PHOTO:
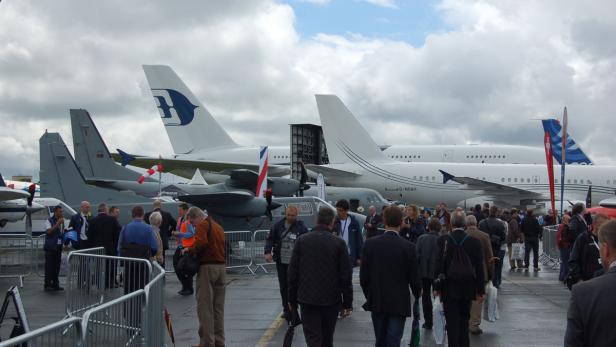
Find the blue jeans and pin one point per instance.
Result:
(564, 263)
(388, 329)
(498, 268)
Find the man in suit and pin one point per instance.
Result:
(372, 223)
(488, 270)
(348, 229)
(455, 286)
(319, 278)
(80, 222)
(104, 232)
(591, 315)
(388, 270)
(166, 227)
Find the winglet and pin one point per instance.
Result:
(126, 158)
(2, 183)
(446, 176)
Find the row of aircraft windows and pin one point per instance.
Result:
(405, 156)
(281, 157)
(426, 178)
(486, 156)
(536, 180)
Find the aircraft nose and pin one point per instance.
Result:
(35, 207)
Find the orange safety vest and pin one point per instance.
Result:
(186, 241)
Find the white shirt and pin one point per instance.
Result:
(344, 231)
(84, 225)
(613, 264)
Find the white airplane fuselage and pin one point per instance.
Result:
(422, 183)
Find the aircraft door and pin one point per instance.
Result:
(448, 155)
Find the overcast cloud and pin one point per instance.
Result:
(501, 65)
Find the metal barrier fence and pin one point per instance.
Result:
(239, 250)
(154, 317)
(94, 279)
(258, 258)
(16, 256)
(66, 332)
(550, 255)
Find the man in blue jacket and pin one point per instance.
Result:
(279, 247)
(80, 222)
(347, 228)
(54, 229)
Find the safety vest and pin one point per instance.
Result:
(187, 241)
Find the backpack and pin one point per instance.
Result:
(460, 267)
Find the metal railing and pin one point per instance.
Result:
(550, 255)
(239, 250)
(66, 332)
(258, 243)
(16, 256)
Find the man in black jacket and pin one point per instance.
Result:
(591, 315)
(348, 229)
(388, 270)
(319, 277)
(585, 260)
(279, 247)
(166, 227)
(373, 220)
(577, 223)
(457, 294)
(495, 228)
(104, 232)
(532, 234)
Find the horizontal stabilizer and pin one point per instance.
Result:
(331, 172)
(491, 188)
(125, 158)
(574, 154)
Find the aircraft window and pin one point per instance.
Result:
(405, 157)
(433, 178)
(575, 181)
(536, 180)
(515, 179)
(568, 180)
(427, 178)
(503, 157)
(502, 179)
(419, 156)
(305, 208)
(421, 178)
(490, 157)
(556, 180)
(414, 177)
(608, 182)
(484, 178)
(499, 157)
(509, 179)
(396, 157)
(588, 182)
(528, 180)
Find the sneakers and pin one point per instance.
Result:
(476, 331)
(537, 269)
(185, 292)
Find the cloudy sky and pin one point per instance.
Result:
(413, 72)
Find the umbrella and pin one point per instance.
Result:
(415, 332)
(169, 326)
(295, 321)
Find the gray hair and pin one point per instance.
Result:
(458, 219)
(155, 219)
(471, 220)
(325, 216)
(195, 212)
(156, 203)
(102, 207)
(607, 234)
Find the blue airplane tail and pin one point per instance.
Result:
(575, 155)
(2, 183)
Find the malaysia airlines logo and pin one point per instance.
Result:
(175, 108)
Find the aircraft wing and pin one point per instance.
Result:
(490, 188)
(330, 172)
(12, 194)
(181, 167)
(218, 198)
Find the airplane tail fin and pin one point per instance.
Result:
(575, 155)
(2, 183)
(189, 124)
(346, 139)
(60, 177)
(91, 154)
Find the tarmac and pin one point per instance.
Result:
(532, 307)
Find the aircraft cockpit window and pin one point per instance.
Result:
(41, 215)
(305, 208)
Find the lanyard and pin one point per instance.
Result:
(343, 227)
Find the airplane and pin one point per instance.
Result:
(193, 130)
(14, 204)
(60, 178)
(356, 161)
(198, 141)
(39, 218)
(97, 166)
(20, 185)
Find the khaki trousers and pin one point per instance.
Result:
(475, 321)
(211, 281)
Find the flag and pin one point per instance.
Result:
(262, 180)
(549, 159)
(564, 163)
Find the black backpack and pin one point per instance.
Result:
(460, 267)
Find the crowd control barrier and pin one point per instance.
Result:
(63, 333)
(16, 256)
(239, 250)
(550, 255)
(258, 243)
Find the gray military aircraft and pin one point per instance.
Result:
(97, 166)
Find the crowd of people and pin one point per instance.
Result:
(402, 253)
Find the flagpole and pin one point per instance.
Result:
(564, 162)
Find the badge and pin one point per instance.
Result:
(293, 236)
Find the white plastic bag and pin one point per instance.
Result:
(517, 251)
(491, 303)
(438, 321)
(63, 264)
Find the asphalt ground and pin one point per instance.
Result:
(532, 307)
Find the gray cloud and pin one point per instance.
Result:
(501, 65)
